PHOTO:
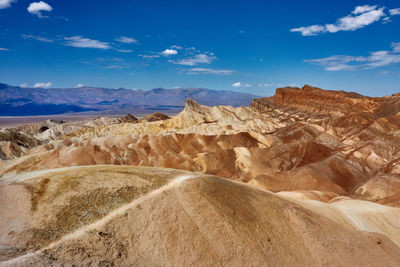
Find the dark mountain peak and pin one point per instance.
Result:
(129, 118)
(156, 116)
(112, 101)
(159, 90)
(4, 86)
(191, 104)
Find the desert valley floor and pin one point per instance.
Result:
(307, 177)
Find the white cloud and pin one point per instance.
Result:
(381, 58)
(124, 50)
(36, 8)
(363, 9)
(309, 30)
(337, 62)
(239, 84)
(111, 59)
(265, 84)
(42, 85)
(6, 3)
(126, 40)
(293, 85)
(396, 47)
(197, 59)
(79, 41)
(394, 11)
(3, 49)
(79, 85)
(350, 23)
(23, 85)
(351, 63)
(192, 49)
(208, 71)
(37, 38)
(176, 47)
(361, 17)
(169, 52)
(149, 56)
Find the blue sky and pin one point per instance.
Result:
(249, 46)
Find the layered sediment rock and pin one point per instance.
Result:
(313, 179)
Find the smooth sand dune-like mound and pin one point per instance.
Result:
(178, 218)
(40, 207)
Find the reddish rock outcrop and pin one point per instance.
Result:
(317, 100)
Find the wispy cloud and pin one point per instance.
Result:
(6, 3)
(37, 38)
(127, 40)
(360, 17)
(396, 47)
(42, 85)
(384, 72)
(178, 47)
(239, 84)
(4, 49)
(36, 8)
(117, 67)
(149, 56)
(197, 59)
(124, 50)
(194, 71)
(110, 59)
(192, 49)
(338, 62)
(265, 85)
(350, 63)
(79, 41)
(394, 11)
(363, 9)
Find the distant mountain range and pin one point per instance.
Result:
(18, 101)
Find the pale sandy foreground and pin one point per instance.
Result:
(143, 216)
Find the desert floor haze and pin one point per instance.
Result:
(86, 101)
(307, 177)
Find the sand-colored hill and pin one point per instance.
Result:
(313, 178)
(274, 146)
(14, 143)
(116, 215)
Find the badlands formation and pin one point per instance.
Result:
(307, 177)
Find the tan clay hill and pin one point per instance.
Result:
(120, 215)
(313, 179)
